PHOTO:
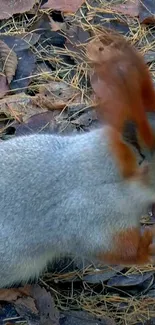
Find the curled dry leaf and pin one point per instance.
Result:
(13, 294)
(9, 60)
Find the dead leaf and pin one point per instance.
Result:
(26, 308)
(147, 12)
(131, 8)
(20, 107)
(110, 20)
(84, 318)
(24, 72)
(20, 42)
(63, 5)
(3, 85)
(12, 294)
(47, 35)
(58, 94)
(9, 60)
(46, 306)
(9, 8)
(76, 34)
(103, 274)
(26, 58)
(52, 96)
(43, 101)
(27, 302)
(50, 121)
(42, 122)
(122, 280)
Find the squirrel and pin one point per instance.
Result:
(64, 195)
(123, 86)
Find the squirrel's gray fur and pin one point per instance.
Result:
(61, 195)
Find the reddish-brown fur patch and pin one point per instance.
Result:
(130, 247)
(125, 91)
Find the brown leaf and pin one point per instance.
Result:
(9, 60)
(20, 107)
(3, 85)
(131, 8)
(43, 101)
(9, 8)
(58, 94)
(63, 5)
(13, 293)
(52, 96)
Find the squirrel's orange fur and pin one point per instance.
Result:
(124, 88)
(131, 247)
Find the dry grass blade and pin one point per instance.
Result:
(9, 60)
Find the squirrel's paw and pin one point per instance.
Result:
(130, 247)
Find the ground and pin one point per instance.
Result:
(45, 87)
